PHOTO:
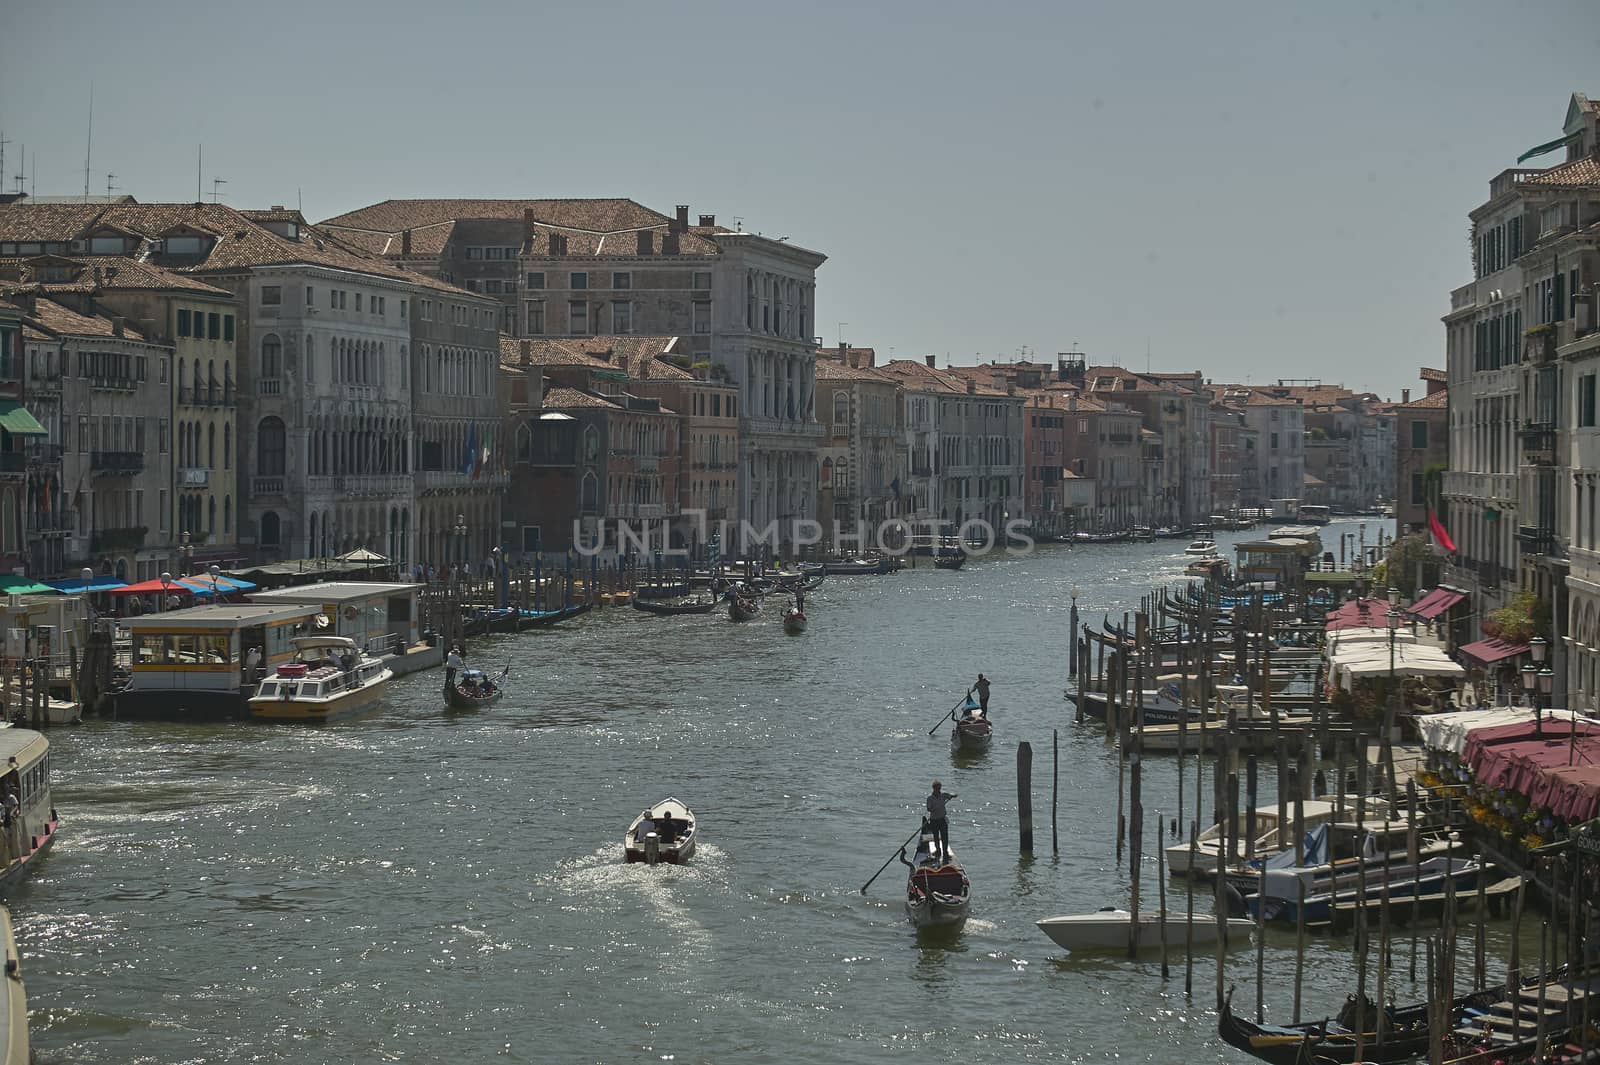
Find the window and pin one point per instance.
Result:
(1417, 493)
(402, 308)
(702, 279)
(270, 441)
(271, 295)
(1586, 401)
(1419, 435)
(535, 280)
(474, 253)
(163, 434)
(494, 253)
(535, 318)
(213, 327)
(622, 279)
(622, 317)
(702, 316)
(227, 328)
(1274, 441)
(492, 285)
(577, 317)
(578, 280)
(183, 323)
(271, 356)
(358, 301)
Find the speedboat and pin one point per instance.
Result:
(1110, 928)
(938, 893)
(1203, 548)
(328, 678)
(674, 846)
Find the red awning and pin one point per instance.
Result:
(1359, 614)
(1570, 792)
(154, 588)
(1434, 603)
(1488, 652)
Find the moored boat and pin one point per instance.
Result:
(474, 689)
(1110, 929)
(1203, 548)
(14, 1012)
(938, 893)
(794, 621)
(856, 567)
(328, 678)
(669, 838)
(665, 609)
(950, 561)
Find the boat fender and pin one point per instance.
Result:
(1233, 900)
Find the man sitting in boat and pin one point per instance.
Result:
(647, 826)
(666, 828)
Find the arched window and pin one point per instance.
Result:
(211, 515)
(827, 472)
(183, 378)
(271, 357)
(227, 447)
(591, 443)
(227, 514)
(524, 442)
(591, 493)
(841, 410)
(211, 446)
(269, 529)
(211, 381)
(270, 448)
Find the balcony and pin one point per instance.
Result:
(193, 477)
(1537, 540)
(114, 384)
(1488, 574)
(364, 486)
(1538, 439)
(271, 386)
(266, 486)
(128, 537)
(117, 463)
(44, 454)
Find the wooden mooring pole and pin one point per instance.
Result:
(1025, 796)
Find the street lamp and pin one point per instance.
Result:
(461, 538)
(166, 583)
(1530, 688)
(185, 552)
(1533, 679)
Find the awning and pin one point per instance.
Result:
(1488, 652)
(15, 419)
(155, 587)
(204, 584)
(75, 585)
(23, 586)
(1434, 603)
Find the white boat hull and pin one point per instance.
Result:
(1110, 929)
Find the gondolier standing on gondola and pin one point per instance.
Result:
(982, 688)
(452, 663)
(937, 822)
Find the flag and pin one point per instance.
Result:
(1440, 537)
(483, 460)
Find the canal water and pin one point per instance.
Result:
(416, 886)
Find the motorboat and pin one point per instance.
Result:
(327, 678)
(856, 567)
(1203, 548)
(950, 561)
(14, 1011)
(1110, 929)
(651, 845)
(1210, 567)
(794, 621)
(473, 689)
(25, 771)
(1271, 838)
(938, 893)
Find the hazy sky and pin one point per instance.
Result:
(1254, 190)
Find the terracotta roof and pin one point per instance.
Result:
(637, 356)
(561, 397)
(53, 318)
(276, 214)
(1440, 400)
(925, 378)
(549, 352)
(831, 369)
(1585, 171)
(116, 273)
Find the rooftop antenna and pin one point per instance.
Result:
(199, 162)
(299, 201)
(88, 147)
(109, 185)
(3, 143)
(841, 331)
(1147, 355)
(216, 182)
(22, 168)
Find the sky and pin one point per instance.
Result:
(1254, 190)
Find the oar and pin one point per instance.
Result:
(891, 858)
(950, 713)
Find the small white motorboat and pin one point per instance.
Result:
(1109, 930)
(938, 892)
(1203, 548)
(671, 840)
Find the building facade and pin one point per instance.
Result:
(862, 465)
(1422, 453)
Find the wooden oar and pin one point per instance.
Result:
(891, 858)
(950, 713)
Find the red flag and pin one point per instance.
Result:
(1440, 537)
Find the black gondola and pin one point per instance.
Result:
(538, 619)
(950, 561)
(651, 606)
(1405, 1036)
(741, 609)
(474, 690)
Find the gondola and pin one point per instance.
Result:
(794, 621)
(1405, 1036)
(651, 606)
(482, 621)
(673, 847)
(661, 590)
(742, 609)
(938, 893)
(950, 561)
(857, 567)
(972, 732)
(474, 690)
(538, 619)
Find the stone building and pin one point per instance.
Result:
(864, 448)
(1422, 453)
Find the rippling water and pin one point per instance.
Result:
(423, 887)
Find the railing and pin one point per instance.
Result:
(44, 453)
(389, 643)
(266, 486)
(1507, 180)
(1538, 436)
(113, 539)
(271, 386)
(1463, 297)
(1536, 539)
(116, 461)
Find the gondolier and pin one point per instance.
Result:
(452, 663)
(982, 688)
(937, 822)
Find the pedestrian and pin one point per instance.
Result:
(252, 664)
(982, 687)
(937, 823)
(452, 662)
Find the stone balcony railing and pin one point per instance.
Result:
(362, 486)
(447, 480)
(266, 486)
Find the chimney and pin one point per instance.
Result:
(524, 352)
(117, 328)
(405, 242)
(1072, 401)
(929, 360)
(708, 220)
(527, 227)
(669, 242)
(1405, 395)
(277, 207)
(683, 217)
(647, 242)
(972, 387)
(1011, 388)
